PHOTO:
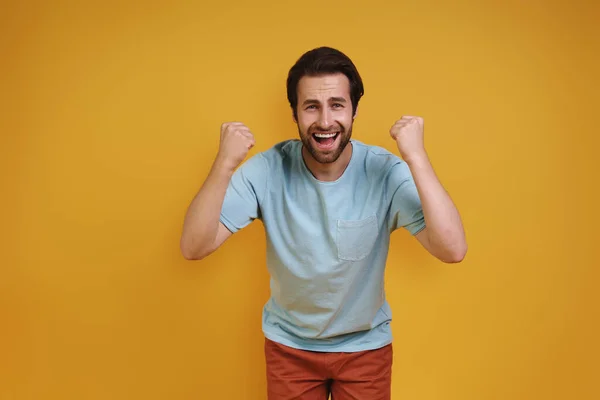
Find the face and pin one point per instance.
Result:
(324, 115)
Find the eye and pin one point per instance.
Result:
(337, 105)
(312, 106)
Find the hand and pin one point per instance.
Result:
(408, 134)
(236, 141)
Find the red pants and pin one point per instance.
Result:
(308, 375)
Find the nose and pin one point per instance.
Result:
(325, 119)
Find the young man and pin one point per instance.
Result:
(328, 205)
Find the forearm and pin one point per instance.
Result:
(201, 221)
(445, 232)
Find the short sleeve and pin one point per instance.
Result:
(244, 194)
(405, 209)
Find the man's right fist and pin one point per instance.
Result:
(236, 140)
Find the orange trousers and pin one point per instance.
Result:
(310, 375)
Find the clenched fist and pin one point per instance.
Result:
(236, 141)
(408, 134)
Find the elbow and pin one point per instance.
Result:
(190, 256)
(453, 259)
(454, 255)
(190, 253)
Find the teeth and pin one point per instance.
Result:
(325, 135)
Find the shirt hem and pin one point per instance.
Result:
(327, 348)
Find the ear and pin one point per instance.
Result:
(355, 113)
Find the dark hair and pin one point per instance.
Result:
(323, 61)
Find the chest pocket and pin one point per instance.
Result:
(355, 238)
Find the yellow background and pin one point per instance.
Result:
(110, 115)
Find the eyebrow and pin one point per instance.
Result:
(331, 99)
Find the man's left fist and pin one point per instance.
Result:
(408, 134)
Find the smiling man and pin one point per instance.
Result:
(329, 204)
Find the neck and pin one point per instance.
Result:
(330, 171)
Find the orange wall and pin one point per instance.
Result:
(110, 118)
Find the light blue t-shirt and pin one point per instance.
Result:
(327, 242)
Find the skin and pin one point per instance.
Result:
(324, 105)
(444, 235)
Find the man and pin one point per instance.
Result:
(328, 204)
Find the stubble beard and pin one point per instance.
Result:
(330, 156)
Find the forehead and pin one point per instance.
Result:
(323, 87)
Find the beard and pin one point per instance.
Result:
(326, 156)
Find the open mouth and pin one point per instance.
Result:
(325, 140)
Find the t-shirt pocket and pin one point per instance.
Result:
(355, 238)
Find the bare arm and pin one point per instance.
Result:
(444, 235)
(203, 232)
